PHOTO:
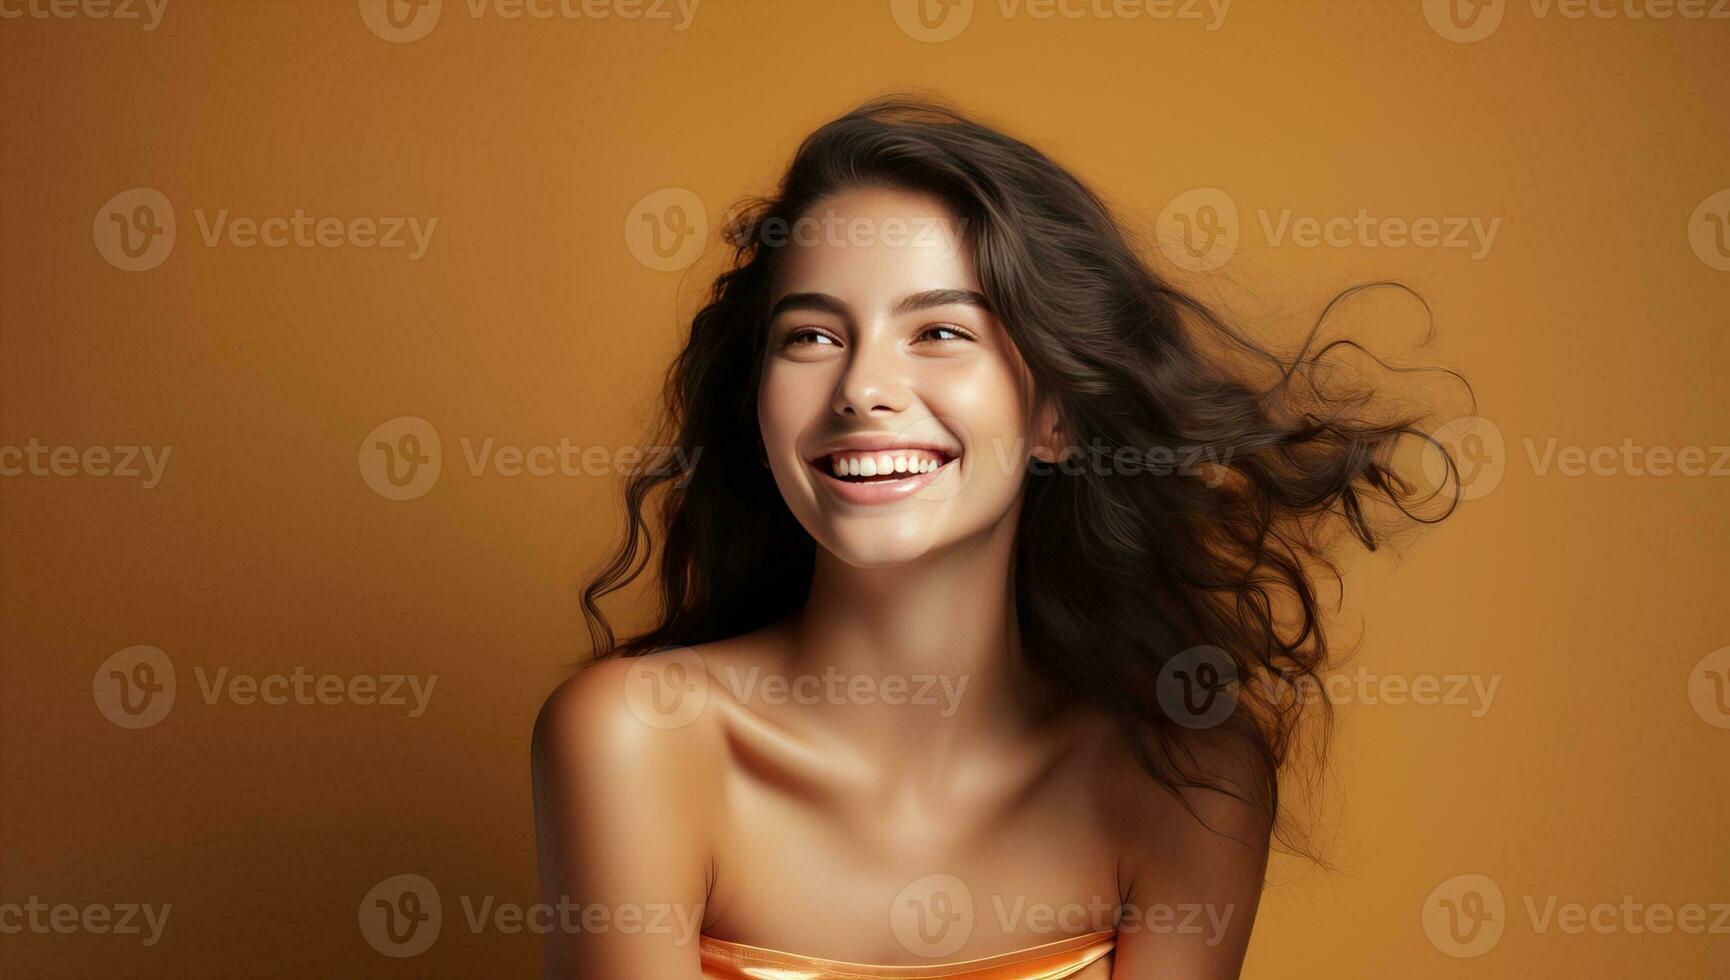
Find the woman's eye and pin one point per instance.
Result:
(937, 331)
(808, 337)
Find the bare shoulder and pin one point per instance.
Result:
(1191, 859)
(1225, 817)
(654, 713)
(629, 765)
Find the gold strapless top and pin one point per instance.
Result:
(723, 960)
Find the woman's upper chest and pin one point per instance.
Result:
(949, 857)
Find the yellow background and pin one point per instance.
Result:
(529, 320)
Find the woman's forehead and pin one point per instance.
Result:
(871, 247)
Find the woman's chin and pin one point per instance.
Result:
(873, 548)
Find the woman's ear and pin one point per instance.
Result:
(1049, 441)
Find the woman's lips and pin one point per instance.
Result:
(876, 491)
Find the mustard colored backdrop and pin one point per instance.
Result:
(297, 298)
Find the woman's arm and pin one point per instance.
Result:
(1194, 882)
(623, 856)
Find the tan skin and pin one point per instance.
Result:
(799, 824)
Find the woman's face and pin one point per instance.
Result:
(895, 411)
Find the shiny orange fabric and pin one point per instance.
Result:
(724, 960)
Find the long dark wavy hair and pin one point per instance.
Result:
(1114, 575)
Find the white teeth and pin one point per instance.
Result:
(853, 464)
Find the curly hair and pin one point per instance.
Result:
(1118, 579)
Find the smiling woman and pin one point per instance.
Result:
(877, 415)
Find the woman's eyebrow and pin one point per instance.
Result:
(940, 297)
(825, 303)
(811, 302)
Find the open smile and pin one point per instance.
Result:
(870, 476)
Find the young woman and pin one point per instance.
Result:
(976, 606)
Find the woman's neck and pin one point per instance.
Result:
(940, 633)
